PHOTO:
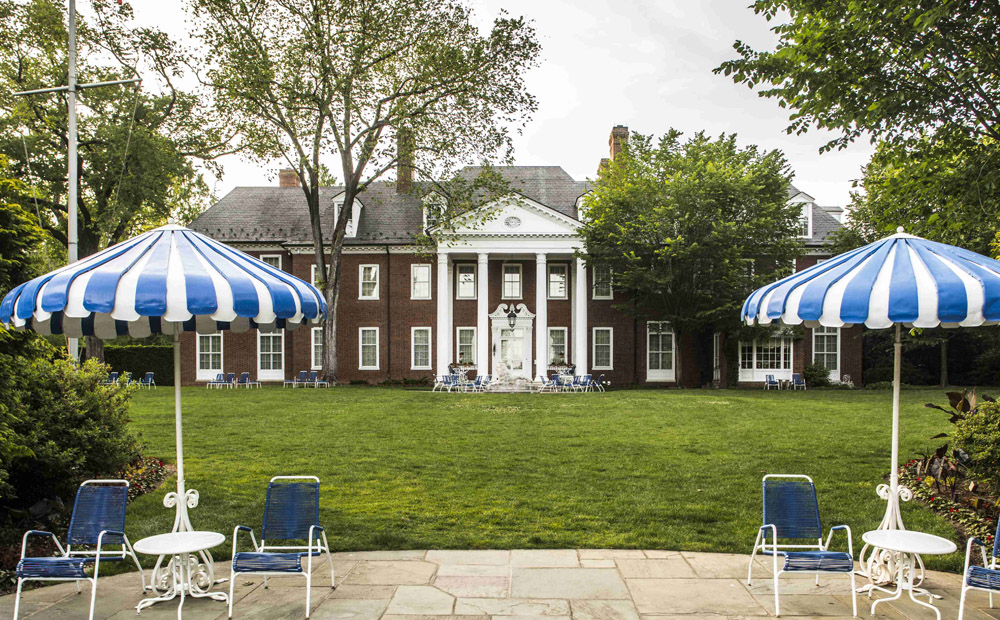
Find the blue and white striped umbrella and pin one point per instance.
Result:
(901, 279)
(166, 280)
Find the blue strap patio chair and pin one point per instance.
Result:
(230, 380)
(599, 384)
(291, 513)
(791, 511)
(112, 379)
(798, 383)
(315, 381)
(244, 381)
(301, 379)
(770, 382)
(985, 577)
(559, 383)
(218, 381)
(147, 381)
(98, 519)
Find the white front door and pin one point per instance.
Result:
(511, 351)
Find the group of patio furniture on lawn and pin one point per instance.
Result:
(486, 383)
(797, 382)
(306, 378)
(230, 380)
(291, 515)
(125, 378)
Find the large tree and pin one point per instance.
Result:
(378, 85)
(691, 227)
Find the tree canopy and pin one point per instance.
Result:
(691, 227)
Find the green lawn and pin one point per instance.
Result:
(642, 469)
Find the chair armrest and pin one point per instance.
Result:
(253, 539)
(968, 553)
(24, 540)
(100, 541)
(850, 538)
(774, 533)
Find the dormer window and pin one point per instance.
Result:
(805, 221)
(434, 208)
(353, 218)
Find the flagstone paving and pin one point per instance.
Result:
(529, 584)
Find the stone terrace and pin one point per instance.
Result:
(512, 585)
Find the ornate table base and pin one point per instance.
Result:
(185, 576)
(880, 566)
(904, 581)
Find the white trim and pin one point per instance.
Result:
(361, 281)
(565, 345)
(503, 281)
(278, 256)
(413, 348)
(593, 286)
(516, 200)
(820, 331)
(661, 375)
(209, 374)
(413, 279)
(361, 350)
(312, 348)
(312, 275)
(475, 280)
(758, 375)
(272, 374)
(610, 345)
(548, 280)
(475, 345)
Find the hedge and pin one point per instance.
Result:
(139, 360)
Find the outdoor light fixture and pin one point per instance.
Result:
(512, 319)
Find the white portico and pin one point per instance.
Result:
(511, 323)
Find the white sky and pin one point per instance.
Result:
(642, 63)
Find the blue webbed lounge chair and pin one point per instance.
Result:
(315, 381)
(771, 382)
(301, 379)
(230, 379)
(244, 381)
(291, 513)
(598, 385)
(798, 383)
(98, 519)
(147, 381)
(985, 577)
(112, 379)
(218, 381)
(791, 511)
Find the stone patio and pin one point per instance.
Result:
(584, 584)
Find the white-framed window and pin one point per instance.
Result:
(368, 281)
(465, 281)
(768, 356)
(271, 356)
(368, 351)
(316, 352)
(717, 356)
(659, 351)
(511, 281)
(420, 281)
(420, 348)
(806, 221)
(209, 356)
(826, 349)
(273, 260)
(557, 345)
(603, 348)
(558, 281)
(602, 282)
(465, 345)
(313, 270)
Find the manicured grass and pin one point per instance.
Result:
(643, 469)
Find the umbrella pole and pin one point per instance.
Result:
(182, 523)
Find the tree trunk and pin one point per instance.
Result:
(331, 293)
(94, 349)
(944, 362)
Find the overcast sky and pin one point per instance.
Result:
(642, 63)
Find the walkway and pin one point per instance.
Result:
(512, 585)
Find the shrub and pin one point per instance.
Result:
(816, 375)
(978, 434)
(140, 359)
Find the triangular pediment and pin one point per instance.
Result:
(514, 216)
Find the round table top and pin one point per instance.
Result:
(178, 542)
(908, 541)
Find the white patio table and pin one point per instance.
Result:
(179, 546)
(908, 544)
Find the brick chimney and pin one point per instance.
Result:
(618, 140)
(404, 161)
(288, 178)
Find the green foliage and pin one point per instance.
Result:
(978, 433)
(816, 375)
(139, 359)
(691, 227)
(61, 425)
(890, 69)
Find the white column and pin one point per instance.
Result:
(541, 316)
(483, 314)
(580, 326)
(443, 316)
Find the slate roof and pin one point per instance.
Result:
(823, 223)
(280, 215)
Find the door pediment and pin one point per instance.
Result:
(514, 216)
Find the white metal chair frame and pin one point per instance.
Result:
(965, 574)
(264, 548)
(776, 549)
(68, 552)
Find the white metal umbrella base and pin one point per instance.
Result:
(180, 570)
(881, 566)
(907, 565)
(202, 564)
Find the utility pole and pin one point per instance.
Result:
(72, 237)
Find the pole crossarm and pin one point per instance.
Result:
(60, 89)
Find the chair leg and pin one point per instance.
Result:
(777, 611)
(854, 596)
(93, 593)
(308, 589)
(753, 554)
(232, 585)
(17, 597)
(961, 603)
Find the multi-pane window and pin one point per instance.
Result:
(603, 344)
(805, 221)
(271, 352)
(420, 282)
(210, 353)
(826, 348)
(465, 284)
(512, 281)
(771, 354)
(317, 348)
(746, 355)
(466, 340)
(369, 282)
(368, 348)
(273, 260)
(602, 282)
(557, 281)
(557, 345)
(661, 346)
(420, 347)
